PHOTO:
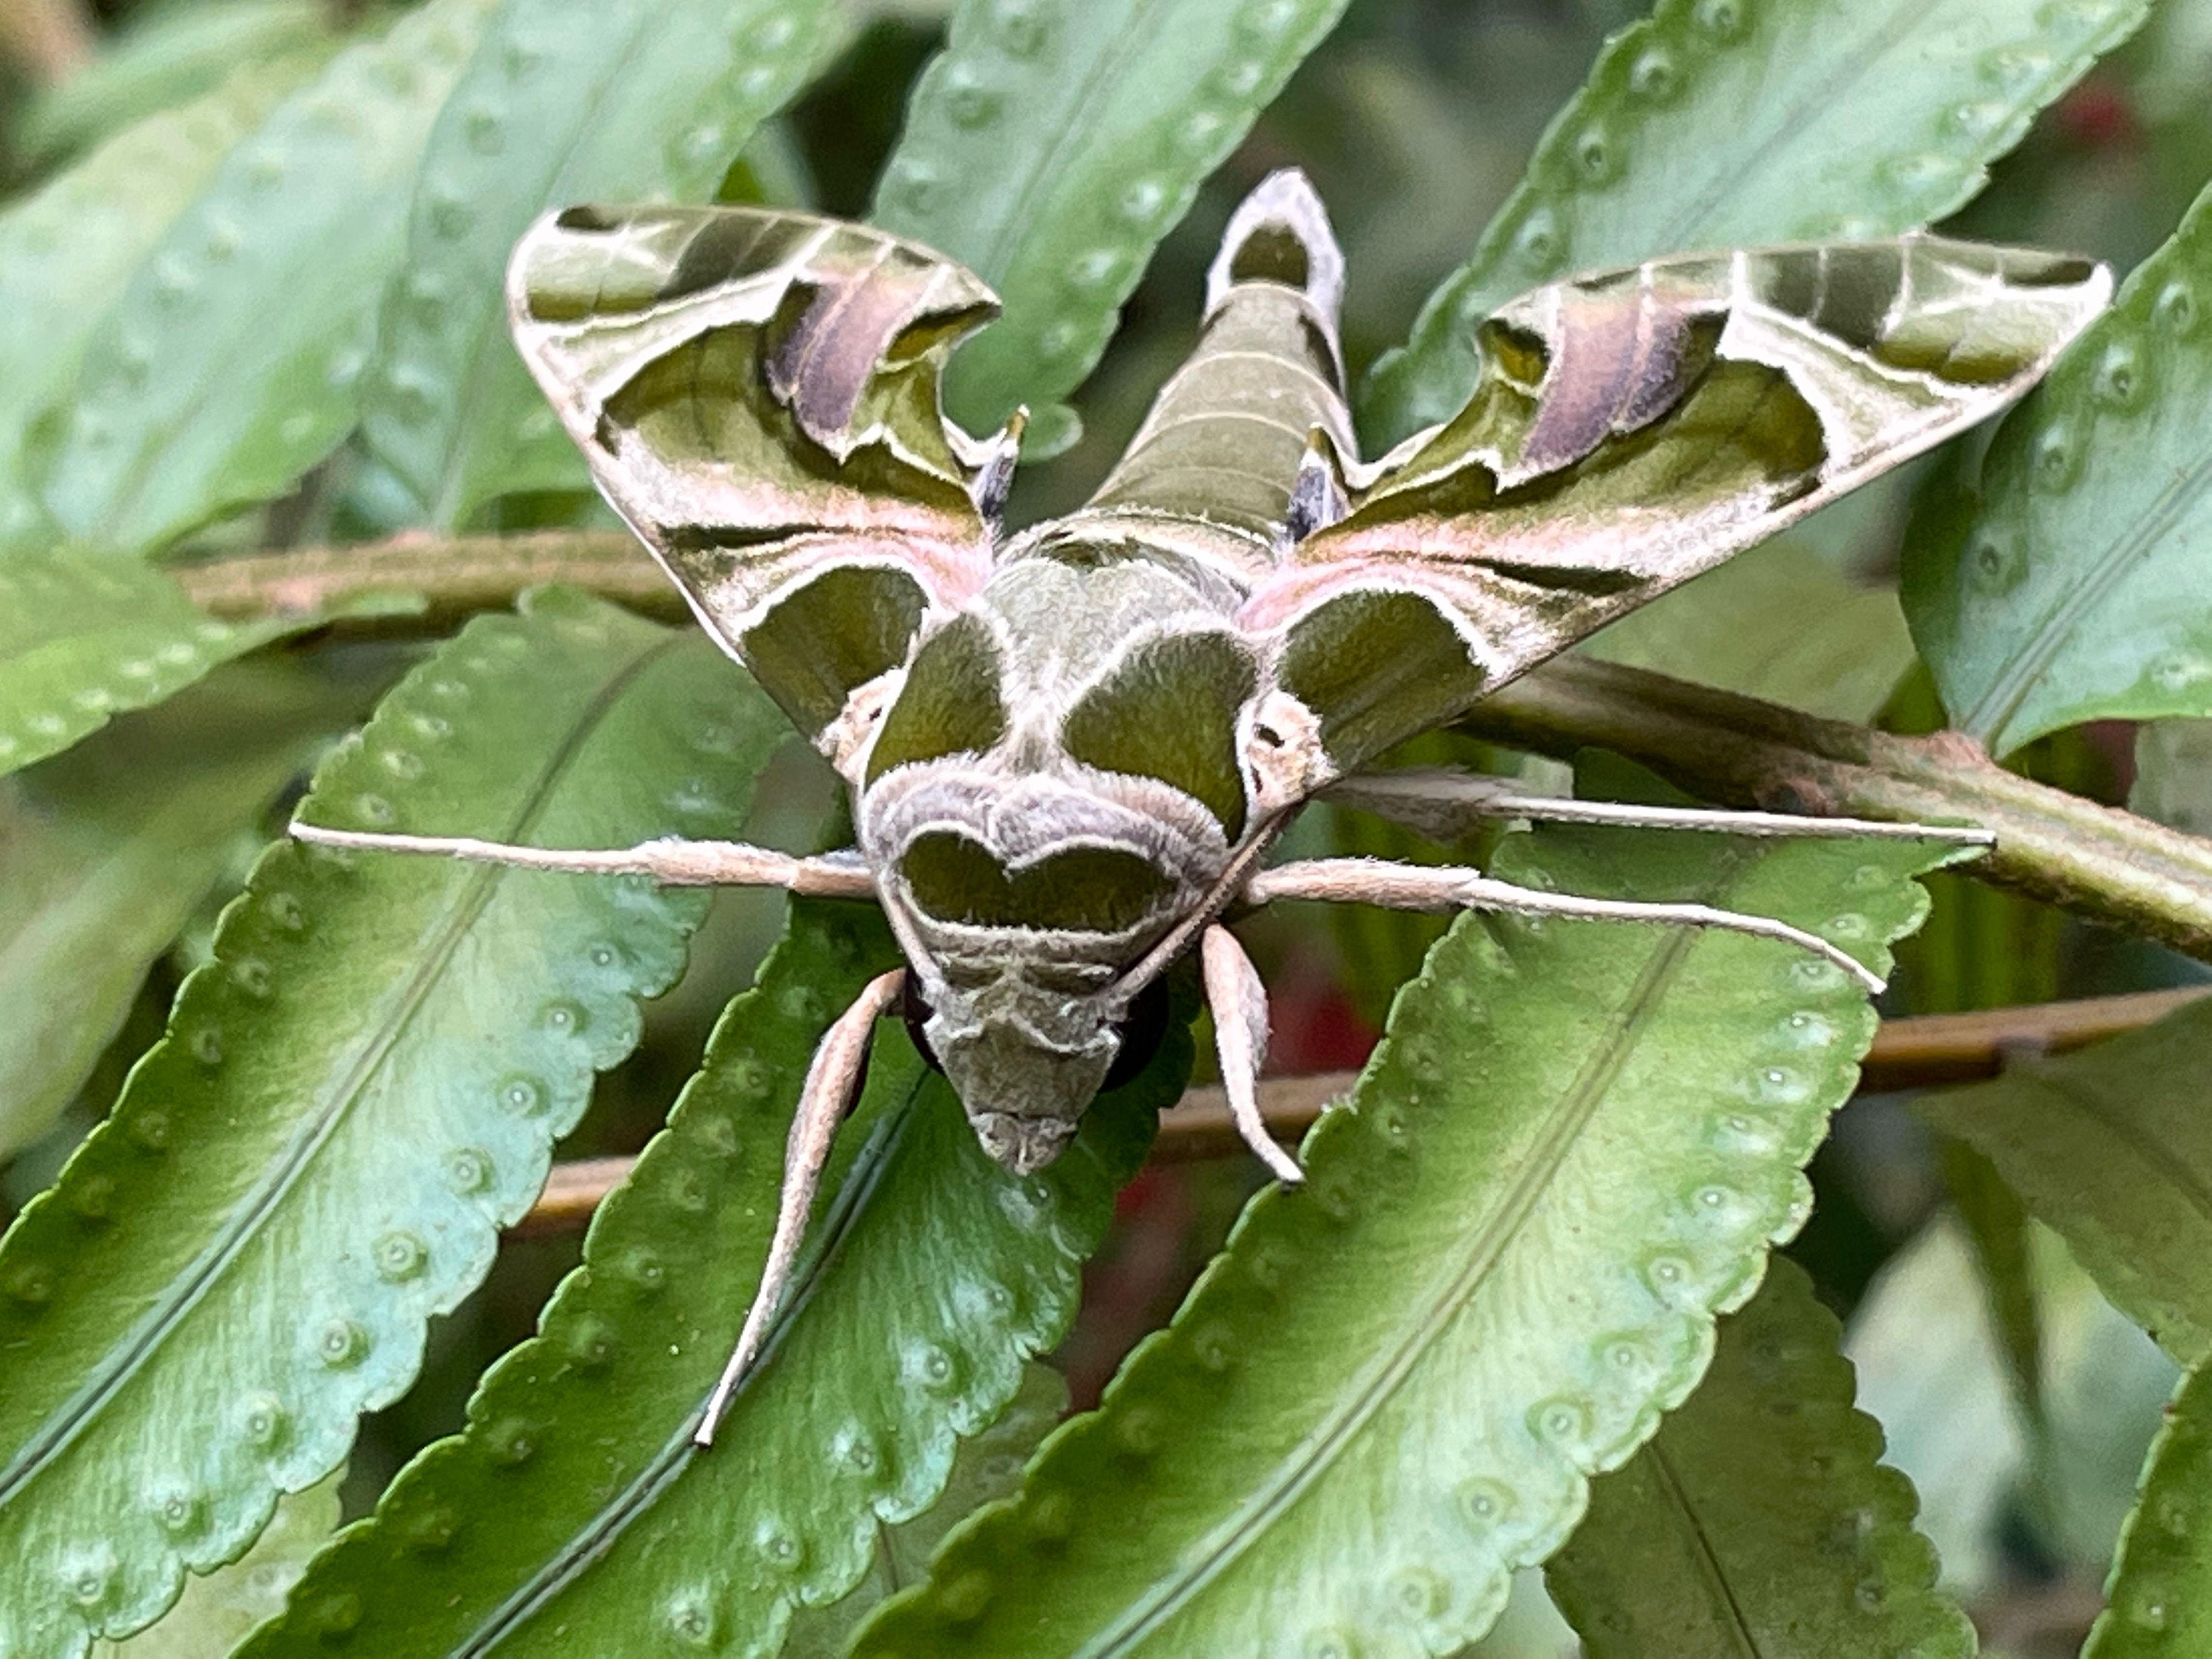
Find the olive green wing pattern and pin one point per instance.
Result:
(757, 394)
(1629, 430)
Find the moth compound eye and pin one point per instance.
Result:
(914, 1009)
(1142, 1030)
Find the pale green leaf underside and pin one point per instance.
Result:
(561, 104)
(232, 362)
(1777, 624)
(1724, 122)
(2112, 1147)
(165, 59)
(1758, 1520)
(352, 1098)
(1932, 1372)
(2159, 1594)
(1053, 144)
(2174, 774)
(216, 1612)
(83, 639)
(109, 849)
(2069, 588)
(1571, 1150)
(67, 254)
(574, 1515)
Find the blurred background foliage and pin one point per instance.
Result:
(2024, 1433)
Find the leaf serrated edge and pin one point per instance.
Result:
(144, 1128)
(1781, 1352)
(2097, 385)
(1636, 75)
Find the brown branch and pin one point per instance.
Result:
(1906, 1054)
(51, 39)
(2109, 866)
(456, 575)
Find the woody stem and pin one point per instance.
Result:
(2110, 866)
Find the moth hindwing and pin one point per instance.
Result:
(1070, 748)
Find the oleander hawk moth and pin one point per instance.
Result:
(1070, 747)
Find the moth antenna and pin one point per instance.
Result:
(833, 1078)
(1281, 233)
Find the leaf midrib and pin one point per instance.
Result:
(456, 464)
(1710, 1570)
(593, 1542)
(2050, 635)
(1319, 1451)
(128, 1359)
(1076, 128)
(1902, 23)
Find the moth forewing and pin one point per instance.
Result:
(756, 392)
(1070, 751)
(1632, 429)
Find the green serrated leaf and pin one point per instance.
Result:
(83, 639)
(108, 850)
(2062, 590)
(176, 55)
(1931, 1372)
(1051, 146)
(216, 1612)
(232, 362)
(612, 102)
(574, 1515)
(1572, 1149)
(1758, 1520)
(353, 1097)
(1742, 628)
(2112, 1147)
(1721, 122)
(984, 1470)
(67, 254)
(2159, 1599)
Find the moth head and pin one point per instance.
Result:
(1047, 827)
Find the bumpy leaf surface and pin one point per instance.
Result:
(1728, 122)
(216, 1612)
(561, 104)
(1758, 1520)
(232, 362)
(2159, 1595)
(84, 638)
(353, 1097)
(1572, 1150)
(164, 58)
(984, 1470)
(67, 254)
(109, 849)
(2112, 1147)
(1050, 149)
(574, 1514)
(2069, 586)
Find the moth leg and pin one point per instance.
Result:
(1416, 887)
(832, 1078)
(672, 861)
(1239, 1002)
(1445, 803)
